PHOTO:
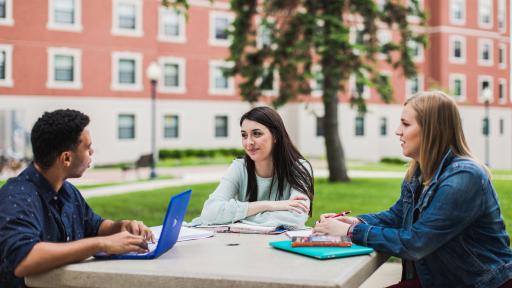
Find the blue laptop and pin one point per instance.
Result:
(170, 231)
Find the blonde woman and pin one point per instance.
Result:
(447, 225)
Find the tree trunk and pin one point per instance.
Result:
(333, 146)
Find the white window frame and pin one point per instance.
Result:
(173, 139)
(408, 85)
(213, 65)
(456, 21)
(75, 27)
(421, 51)
(181, 38)
(502, 81)
(116, 30)
(415, 18)
(7, 82)
(77, 68)
(115, 85)
(479, 9)
(211, 38)
(312, 82)
(481, 43)
(482, 78)
(366, 91)
(383, 37)
(451, 46)
(135, 133)
(8, 20)
(456, 76)
(503, 47)
(502, 16)
(275, 85)
(259, 31)
(181, 88)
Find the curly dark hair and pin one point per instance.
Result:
(56, 132)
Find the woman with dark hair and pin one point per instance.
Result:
(271, 186)
(447, 225)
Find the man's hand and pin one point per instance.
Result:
(331, 226)
(123, 242)
(138, 228)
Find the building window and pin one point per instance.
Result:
(416, 50)
(264, 33)
(173, 73)
(502, 91)
(171, 126)
(502, 56)
(485, 47)
(221, 126)
(458, 86)
(221, 83)
(6, 65)
(220, 24)
(485, 13)
(127, 18)
(269, 82)
(64, 68)
(383, 126)
(172, 25)
(6, 13)
(484, 82)
(320, 126)
(126, 126)
(457, 46)
(485, 126)
(358, 88)
(65, 15)
(126, 71)
(458, 12)
(414, 85)
(359, 126)
(502, 15)
(317, 81)
(502, 126)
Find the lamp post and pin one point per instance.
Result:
(487, 97)
(153, 73)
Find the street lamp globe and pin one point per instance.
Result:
(487, 94)
(153, 71)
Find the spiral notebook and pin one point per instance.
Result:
(322, 253)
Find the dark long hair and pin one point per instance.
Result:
(286, 159)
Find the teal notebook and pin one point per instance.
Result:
(322, 252)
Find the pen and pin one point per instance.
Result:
(341, 214)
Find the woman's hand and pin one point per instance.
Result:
(298, 203)
(332, 226)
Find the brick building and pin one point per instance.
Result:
(92, 56)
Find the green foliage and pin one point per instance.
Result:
(300, 31)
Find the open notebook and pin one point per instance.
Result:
(186, 233)
(242, 228)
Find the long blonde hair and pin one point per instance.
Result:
(441, 128)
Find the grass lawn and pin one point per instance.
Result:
(360, 196)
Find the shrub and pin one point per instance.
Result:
(393, 160)
(200, 153)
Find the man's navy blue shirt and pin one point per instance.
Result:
(31, 212)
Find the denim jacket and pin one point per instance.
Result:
(459, 238)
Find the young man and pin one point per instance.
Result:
(44, 221)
